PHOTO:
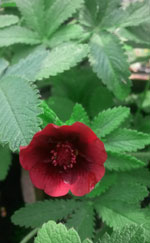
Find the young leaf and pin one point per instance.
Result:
(128, 234)
(58, 12)
(49, 115)
(29, 216)
(122, 162)
(33, 12)
(3, 65)
(56, 233)
(6, 20)
(126, 140)
(62, 58)
(16, 35)
(19, 110)
(109, 120)
(78, 114)
(109, 62)
(83, 221)
(5, 161)
(107, 181)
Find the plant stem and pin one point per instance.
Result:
(29, 236)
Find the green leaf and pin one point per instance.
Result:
(5, 161)
(128, 234)
(118, 215)
(29, 67)
(126, 190)
(33, 12)
(62, 106)
(56, 233)
(126, 140)
(17, 35)
(109, 120)
(133, 15)
(58, 12)
(29, 216)
(122, 162)
(3, 65)
(65, 33)
(107, 181)
(78, 114)
(62, 58)
(6, 20)
(83, 221)
(49, 115)
(19, 110)
(138, 34)
(109, 62)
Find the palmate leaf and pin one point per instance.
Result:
(109, 120)
(58, 12)
(126, 140)
(122, 162)
(19, 110)
(6, 20)
(34, 215)
(109, 62)
(5, 161)
(17, 34)
(118, 214)
(33, 12)
(56, 233)
(83, 221)
(128, 234)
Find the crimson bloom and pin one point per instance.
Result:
(63, 158)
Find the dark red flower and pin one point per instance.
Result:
(63, 158)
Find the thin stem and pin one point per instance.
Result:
(29, 236)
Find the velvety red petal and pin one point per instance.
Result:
(56, 187)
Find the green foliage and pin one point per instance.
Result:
(109, 120)
(5, 161)
(58, 12)
(34, 215)
(3, 65)
(122, 162)
(57, 233)
(109, 62)
(78, 114)
(62, 106)
(129, 234)
(126, 140)
(83, 221)
(6, 20)
(48, 116)
(107, 181)
(18, 115)
(17, 34)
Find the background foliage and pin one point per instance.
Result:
(67, 61)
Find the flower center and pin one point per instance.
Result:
(64, 154)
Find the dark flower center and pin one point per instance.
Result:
(64, 155)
